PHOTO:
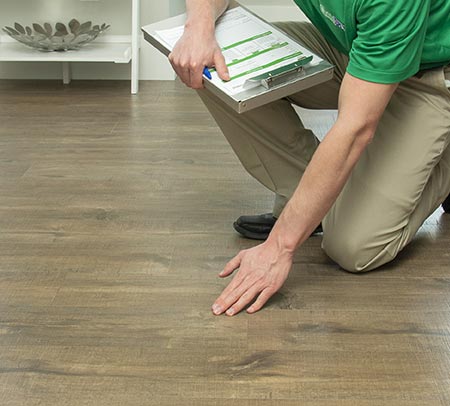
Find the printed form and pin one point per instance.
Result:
(250, 46)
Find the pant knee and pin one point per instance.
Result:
(355, 253)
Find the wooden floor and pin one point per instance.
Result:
(115, 218)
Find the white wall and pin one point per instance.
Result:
(118, 14)
(275, 10)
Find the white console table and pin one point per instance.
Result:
(117, 49)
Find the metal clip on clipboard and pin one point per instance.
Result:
(281, 75)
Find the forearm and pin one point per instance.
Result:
(320, 185)
(202, 14)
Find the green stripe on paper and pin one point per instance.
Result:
(236, 44)
(258, 53)
(268, 65)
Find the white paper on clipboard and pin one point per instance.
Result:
(251, 47)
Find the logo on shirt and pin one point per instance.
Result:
(332, 18)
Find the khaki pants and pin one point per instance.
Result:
(401, 178)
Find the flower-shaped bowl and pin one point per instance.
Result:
(58, 38)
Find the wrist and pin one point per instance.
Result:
(203, 25)
(199, 33)
(283, 245)
(285, 235)
(202, 21)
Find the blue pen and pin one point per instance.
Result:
(207, 73)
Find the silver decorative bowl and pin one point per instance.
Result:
(61, 38)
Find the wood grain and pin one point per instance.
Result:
(115, 218)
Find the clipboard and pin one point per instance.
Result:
(276, 84)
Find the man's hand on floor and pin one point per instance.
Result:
(262, 271)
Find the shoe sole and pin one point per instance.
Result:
(446, 206)
(249, 234)
(262, 236)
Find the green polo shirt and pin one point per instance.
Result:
(387, 41)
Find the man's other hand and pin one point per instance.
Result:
(192, 53)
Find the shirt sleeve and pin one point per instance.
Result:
(389, 39)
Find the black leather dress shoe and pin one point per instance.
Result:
(446, 204)
(258, 227)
